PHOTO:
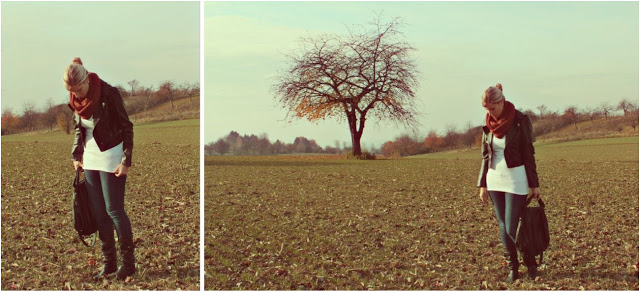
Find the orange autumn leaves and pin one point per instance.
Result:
(314, 110)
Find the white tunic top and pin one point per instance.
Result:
(501, 178)
(93, 158)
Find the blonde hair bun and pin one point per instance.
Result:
(493, 94)
(75, 73)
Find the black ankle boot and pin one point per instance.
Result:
(532, 266)
(512, 263)
(128, 266)
(109, 256)
(533, 272)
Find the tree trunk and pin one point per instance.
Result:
(355, 141)
(356, 150)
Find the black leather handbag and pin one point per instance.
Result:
(533, 231)
(83, 220)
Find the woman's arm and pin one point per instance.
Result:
(77, 149)
(121, 119)
(528, 153)
(484, 165)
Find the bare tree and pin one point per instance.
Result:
(29, 116)
(451, 135)
(191, 89)
(632, 118)
(168, 90)
(592, 113)
(470, 133)
(571, 115)
(194, 90)
(147, 94)
(49, 116)
(355, 76)
(543, 109)
(133, 83)
(625, 106)
(606, 109)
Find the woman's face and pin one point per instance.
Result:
(79, 91)
(494, 109)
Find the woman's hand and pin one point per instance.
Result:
(77, 164)
(534, 193)
(121, 170)
(484, 195)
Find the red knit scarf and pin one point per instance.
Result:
(85, 107)
(501, 125)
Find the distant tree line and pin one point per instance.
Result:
(235, 144)
(545, 121)
(138, 99)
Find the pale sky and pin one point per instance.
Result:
(553, 53)
(120, 41)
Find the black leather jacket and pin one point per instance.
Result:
(112, 126)
(518, 150)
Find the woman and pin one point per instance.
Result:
(102, 148)
(508, 171)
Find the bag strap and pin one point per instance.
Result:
(85, 243)
(529, 199)
(76, 180)
(541, 203)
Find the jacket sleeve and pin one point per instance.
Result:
(121, 119)
(484, 165)
(528, 153)
(77, 149)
